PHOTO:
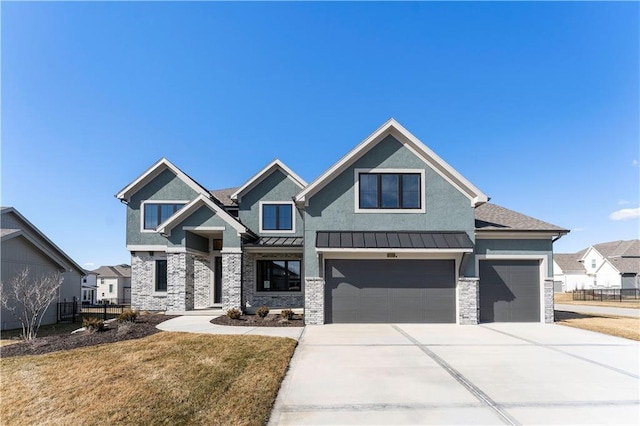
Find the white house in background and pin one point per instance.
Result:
(114, 284)
(89, 287)
(614, 264)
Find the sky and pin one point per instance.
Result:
(536, 103)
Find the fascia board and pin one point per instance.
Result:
(502, 235)
(392, 127)
(151, 173)
(264, 173)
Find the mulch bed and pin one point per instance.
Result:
(145, 325)
(270, 320)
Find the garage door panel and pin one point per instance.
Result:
(509, 291)
(390, 291)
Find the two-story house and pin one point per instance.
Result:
(113, 284)
(389, 233)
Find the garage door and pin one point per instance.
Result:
(390, 291)
(509, 291)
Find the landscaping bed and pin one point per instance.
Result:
(270, 320)
(115, 331)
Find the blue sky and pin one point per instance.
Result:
(537, 104)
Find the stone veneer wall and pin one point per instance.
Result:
(180, 281)
(468, 300)
(314, 300)
(548, 301)
(202, 282)
(143, 285)
(231, 279)
(253, 299)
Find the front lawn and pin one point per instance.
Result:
(626, 327)
(165, 378)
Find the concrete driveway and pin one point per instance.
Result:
(449, 374)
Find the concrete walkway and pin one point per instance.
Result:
(526, 373)
(598, 310)
(201, 324)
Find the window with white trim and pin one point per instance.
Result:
(593, 263)
(156, 213)
(276, 217)
(390, 191)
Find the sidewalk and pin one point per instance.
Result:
(201, 324)
(598, 310)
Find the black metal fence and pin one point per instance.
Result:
(75, 311)
(608, 294)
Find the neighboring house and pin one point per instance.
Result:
(89, 287)
(389, 233)
(114, 284)
(614, 264)
(24, 245)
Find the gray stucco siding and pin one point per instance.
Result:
(537, 247)
(203, 217)
(275, 187)
(165, 186)
(333, 207)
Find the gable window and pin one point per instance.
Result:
(155, 214)
(276, 217)
(161, 275)
(593, 263)
(278, 275)
(390, 190)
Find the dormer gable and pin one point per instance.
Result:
(273, 166)
(402, 135)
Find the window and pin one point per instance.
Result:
(593, 263)
(101, 280)
(155, 214)
(110, 288)
(278, 275)
(161, 275)
(276, 217)
(390, 191)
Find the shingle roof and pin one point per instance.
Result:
(568, 261)
(626, 265)
(114, 271)
(492, 217)
(7, 232)
(224, 195)
(393, 239)
(619, 248)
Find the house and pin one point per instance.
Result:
(389, 233)
(114, 284)
(614, 264)
(24, 245)
(89, 287)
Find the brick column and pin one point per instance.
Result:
(314, 300)
(231, 279)
(548, 301)
(468, 300)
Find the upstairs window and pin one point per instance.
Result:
(276, 217)
(390, 191)
(593, 263)
(278, 275)
(155, 214)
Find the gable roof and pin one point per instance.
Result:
(568, 262)
(620, 248)
(492, 217)
(119, 271)
(264, 173)
(161, 165)
(393, 128)
(39, 240)
(202, 200)
(625, 265)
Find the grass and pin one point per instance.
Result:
(166, 378)
(8, 337)
(626, 327)
(567, 299)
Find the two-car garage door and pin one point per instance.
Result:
(390, 291)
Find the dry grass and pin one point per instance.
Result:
(626, 327)
(8, 337)
(166, 378)
(567, 299)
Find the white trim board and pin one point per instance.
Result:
(263, 174)
(277, 231)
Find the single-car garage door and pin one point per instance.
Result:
(509, 291)
(390, 291)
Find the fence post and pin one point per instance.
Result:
(73, 312)
(104, 316)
